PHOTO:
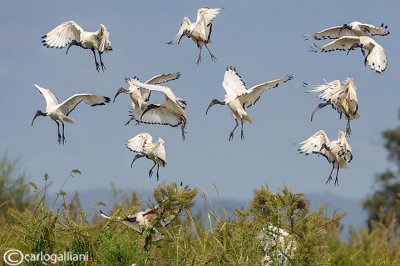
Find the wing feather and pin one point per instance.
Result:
(62, 35)
(156, 150)
(373, 30)
(343, 44)
(233, 83)
(138, 142)
(377, 59)
(158, 116)
(251, 95)
(91, 99)
(329, 90)
(348, 98)
(163, 78)
(50, 98)
(104, 36)
(184, 27)
(314, 144)
(167, 91)
(331, 33)
(144, 92)
(206, 15)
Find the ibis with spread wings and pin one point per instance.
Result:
(171, 111)
(140, 96)
(337, 152)
(70, 33)
(237, 97)
(144, 146)
(60, 111)
(342, 98)
(199, 31)
(354, 28)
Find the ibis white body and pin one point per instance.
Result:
(352, 29)
(237, 97)
(342, 98)
(71, 33)
(140, 96)
(155, 151)
(199, 31)
(60, 111)
(170, 112)
(337, 152)
(376, 57)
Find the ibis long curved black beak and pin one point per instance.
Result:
(319, 106)
(215, 101)
(185, 33)
(209, 106)
(120, 90)
(69, 46)
(38, 113)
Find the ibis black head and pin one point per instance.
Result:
(185, 33)
(73, 42)
(120, 90)
(130, 219)
(215, 101)
(345, 26)
(38, 113)
(149, 107)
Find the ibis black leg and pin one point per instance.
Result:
(199, 58)
(213, 58)
(241, 132)
(151, 170)
(336, 179)
(103, 67)
(330, 175)
(231, 135)
(95, 61)
(158, 167)
(63, 136)
(348, 129)
(58, 132)
(136, 157)
(183, 129)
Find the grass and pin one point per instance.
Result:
(207, 237)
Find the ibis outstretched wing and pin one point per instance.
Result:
(62, 35)
(50, 98)
(251, 95)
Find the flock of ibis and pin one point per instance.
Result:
(172, 110)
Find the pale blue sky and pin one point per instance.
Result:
(263, 39)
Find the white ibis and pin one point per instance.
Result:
(140, 96)
(352, 29)
(152, 217)
(143, 145)
(141, 221)
(199, 31)
(337, 152)
(170, 112)
(278, 244)
(238, 97)
(60, 111)
(341, 98)
(71, 33)
(376, 57)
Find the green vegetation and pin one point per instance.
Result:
(387, 197)
(32, 223)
